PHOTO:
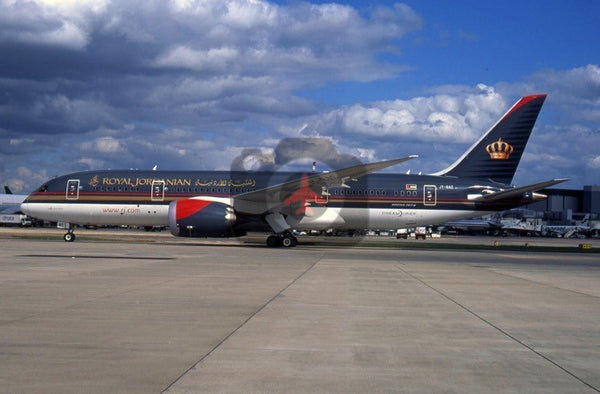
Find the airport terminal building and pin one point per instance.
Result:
(565, 213)
(565, 205)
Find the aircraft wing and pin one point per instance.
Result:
(516, 192)
(272, 198)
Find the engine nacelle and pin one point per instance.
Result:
(201, 218)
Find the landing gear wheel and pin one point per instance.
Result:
(287, 241)
(69, 237)
(272, 241)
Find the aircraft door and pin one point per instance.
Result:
(158, 190)
(72, 192)
(429, 195)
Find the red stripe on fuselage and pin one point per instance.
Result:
(189, 207)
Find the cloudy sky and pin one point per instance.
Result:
(190, 84)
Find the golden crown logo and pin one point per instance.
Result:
(499, 150)
(94, 181)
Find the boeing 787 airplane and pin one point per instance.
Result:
(230, 203)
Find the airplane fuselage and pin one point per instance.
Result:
(380, 201)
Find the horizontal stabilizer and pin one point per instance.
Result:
(517, 191)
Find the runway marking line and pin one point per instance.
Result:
(103, 257)
(498, 329)
(242, 325)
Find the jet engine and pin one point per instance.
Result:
(201, 218)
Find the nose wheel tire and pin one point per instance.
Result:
(69, 237)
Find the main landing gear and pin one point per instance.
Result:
(285, 239)
(70, 235)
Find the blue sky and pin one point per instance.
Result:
(187, 84)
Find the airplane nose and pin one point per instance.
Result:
(25, 208)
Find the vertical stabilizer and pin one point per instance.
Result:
(497, 154)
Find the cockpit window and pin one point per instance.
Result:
(44, 188)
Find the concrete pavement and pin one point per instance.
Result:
(147, 317)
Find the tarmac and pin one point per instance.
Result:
(185, 316)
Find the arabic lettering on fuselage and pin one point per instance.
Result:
(134, 182)
(225, 182)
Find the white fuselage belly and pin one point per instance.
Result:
(376, 218)
(100, 214)
(318, 218)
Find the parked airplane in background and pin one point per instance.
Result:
(477, 226)
(11, 203)
(219, 203)
(580, 229)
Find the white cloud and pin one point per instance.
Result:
(75, 9)
(74, 113)
(579, 81)
(91, 163)
(16, 185)
(65, 23)
(190, 83)
(102, 146)
(575, 91)
(366, 154)
(197, 60)
(67, 34)
(31, 177)
(437, 118)
(250, 14)
(107, 145)
(20, 141)
(547, 158)
(594, 162)
(304, 43)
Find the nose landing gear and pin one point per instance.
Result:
(70, 235)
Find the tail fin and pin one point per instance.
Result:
(7, 190)
(497, 154)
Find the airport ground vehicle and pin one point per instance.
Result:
(15, 220)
